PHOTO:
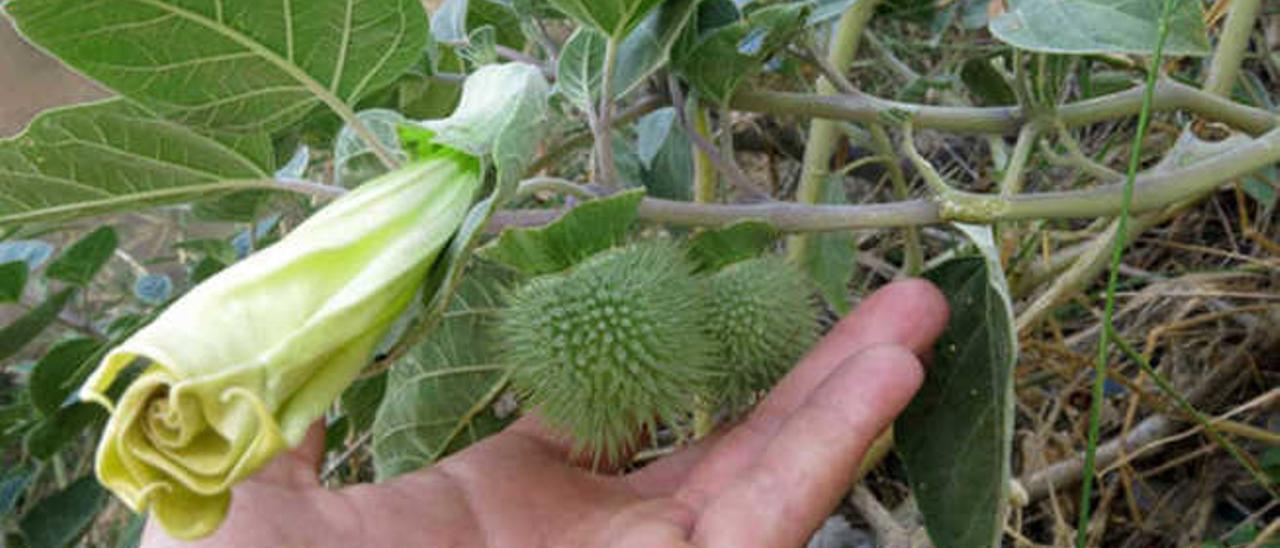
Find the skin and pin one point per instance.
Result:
(768, 481)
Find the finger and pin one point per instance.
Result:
(910, 314)
(311, 450)
(810, 463)
(299, 466)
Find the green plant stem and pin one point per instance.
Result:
(824, 135)
(705, 177)
(1113, 279)
(1189, 410)
(1152, 192)
(534, 185)
(1011, 183)
(1169, 95)
(913, 256)
(608, 169)
(1233, 42)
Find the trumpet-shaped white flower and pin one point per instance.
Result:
(235, 371)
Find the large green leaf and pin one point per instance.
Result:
(955, 436)
(831, 260)
(580, 233)
(238, 65)
(615, 18)
(438, 397)
(59, 519)
(580, 69)
(108, 156)
(719, 60)
(1101, 26)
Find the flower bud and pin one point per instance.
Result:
(236, 370)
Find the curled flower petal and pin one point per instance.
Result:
(237, 369)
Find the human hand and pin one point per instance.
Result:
(768, 481)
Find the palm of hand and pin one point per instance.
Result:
(768, 481)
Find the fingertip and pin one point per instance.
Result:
(911, 313)
(311, 450)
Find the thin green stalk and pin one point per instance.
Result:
(607, 169)
(1011, 184)
(1210, 430)
(824, 135)
(1113, 279)
(913, 256)
(1233, 42)
(705, 177)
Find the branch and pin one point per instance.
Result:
(1170, 95)
(1152, 192)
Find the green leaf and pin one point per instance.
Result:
(498, 102)
(827, 10)
(579, 71)
(631, 171)
(666, 152)
(110, 156)
(60, 372)
(831, 260)
(13, 279)
(439, 396)
(1262, 188)
(955, 436)
(1101, 26)
(720, 60)
(13, 483)
(449, 22)
(16, 335)
(987, 83)
(79, 263)
(131, 534)
(61, 518)
(454, 21)
(614, 18)
(498, 15)
(589, 228)
(52, 434)
(711, 250)
(232, 65)
(648, 47)
(361, 400)
(354, 161)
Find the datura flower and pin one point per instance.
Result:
(236, 370)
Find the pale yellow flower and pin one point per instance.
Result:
(235, 371)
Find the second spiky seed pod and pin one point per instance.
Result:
(763, 321)
(612, 346)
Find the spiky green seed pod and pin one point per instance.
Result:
(763, 321)
(610, 347)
